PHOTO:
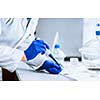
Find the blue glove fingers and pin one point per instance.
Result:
(41, 49)
(47, 46)
(51, 67)
(44, 43)
(56, 66)
(40, 46)
(53, 70)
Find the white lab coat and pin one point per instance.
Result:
(12, 31)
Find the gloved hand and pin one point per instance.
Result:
(36, 47)
(51, 67)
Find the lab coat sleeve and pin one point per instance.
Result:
(32, 25)
(30, 34)
(10, 58)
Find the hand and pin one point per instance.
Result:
(51, 67)
(36, 47)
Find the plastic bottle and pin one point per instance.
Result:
(58, 53)
(91, 51)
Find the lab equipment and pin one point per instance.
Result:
(74, 61)
(56, 48)
(55, 40)
(58, 53)
(91, 51)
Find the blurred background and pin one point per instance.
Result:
(73, 32)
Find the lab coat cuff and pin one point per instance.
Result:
(16, 56)
(38, 61)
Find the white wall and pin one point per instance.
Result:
(70, 33)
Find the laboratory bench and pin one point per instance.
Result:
(71, 72)
(80, 72)
(28, 74)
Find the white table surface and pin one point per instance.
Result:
(28, 74)
(80, 72)
(70, 73)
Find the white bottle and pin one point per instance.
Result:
(58, 53)
(91, 51)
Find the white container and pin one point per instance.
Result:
(58, 53)
(91, 51)
(74, 61)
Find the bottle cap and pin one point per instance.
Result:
(57, 46)
(97, 24)
(97, 32)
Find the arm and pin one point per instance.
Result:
(9, 59)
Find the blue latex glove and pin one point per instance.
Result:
(36, 47)
(51, 67)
